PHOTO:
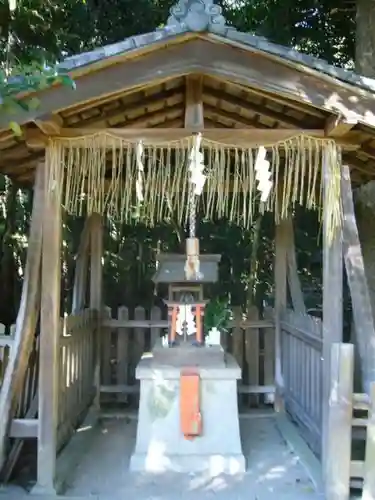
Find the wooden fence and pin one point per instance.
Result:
(76, 379)
(349, 412)
(301, 354)
(76, 372)
(124, 339)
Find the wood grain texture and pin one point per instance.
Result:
(357, 281)
(280, 276)
(27, 315)
(49, 335)
(332, 293)
(96, 279)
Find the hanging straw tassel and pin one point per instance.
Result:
(102, 172)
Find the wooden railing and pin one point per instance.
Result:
(126, 337)
(301, 348)
(28, 395)
(76, 371)
(349, 412)
(27, 400)
(76, 376)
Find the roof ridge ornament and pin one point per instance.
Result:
(198, 16)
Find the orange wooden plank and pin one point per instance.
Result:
(190, 415)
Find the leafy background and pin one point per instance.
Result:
(39, 33)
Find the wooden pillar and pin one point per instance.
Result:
(27, 316)
(340, 414)
(49, 334)
(332, 287)
(81, 268)
(280, 273)
(357, 281)
(96, 278)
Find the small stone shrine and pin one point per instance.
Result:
(188, 413)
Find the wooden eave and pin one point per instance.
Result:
(242, 88)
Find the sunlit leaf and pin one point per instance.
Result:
(16, 128)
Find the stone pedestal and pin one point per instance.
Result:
(160, 444)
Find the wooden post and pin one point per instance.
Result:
(96, 277)
(359, 290)
(81, 268)
(292, 271)
(194, 114)
(368, 492)
(280, 272)
(340, 414)
(27, 316)
(49, 334)
(332, 290)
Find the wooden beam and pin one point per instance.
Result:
(338, 126)
(247, 138)
(332, 292)
(17, 444)
(23, 428)
(358, 286)
(49, 335)
(194, 113)
(27, 317)
(50, 124)
(208, 58)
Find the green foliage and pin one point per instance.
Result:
(217, 314)
(45, 31)
(16, 85)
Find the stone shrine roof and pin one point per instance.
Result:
(171, 268)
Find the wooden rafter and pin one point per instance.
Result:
(233, 117)
(269, 96)
(119, 113)
(161, 115)
(244, 104)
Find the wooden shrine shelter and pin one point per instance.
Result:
(121, 141)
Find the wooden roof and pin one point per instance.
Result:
(247, 83)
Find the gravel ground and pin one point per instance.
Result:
(273, 471)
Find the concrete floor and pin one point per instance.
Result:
(273, 469)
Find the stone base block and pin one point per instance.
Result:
(160, 444)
